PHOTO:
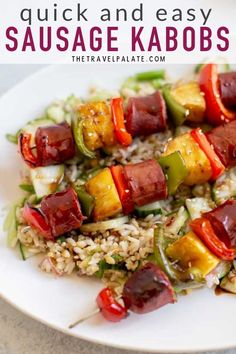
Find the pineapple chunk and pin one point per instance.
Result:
(103, 189)
(189, 96)
(98, 129)
(197, 164)
(190, 252)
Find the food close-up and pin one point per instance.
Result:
(136, 188)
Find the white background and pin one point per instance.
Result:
(223, 14)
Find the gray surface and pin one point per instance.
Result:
(20, 334)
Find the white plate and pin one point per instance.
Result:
(200, 321)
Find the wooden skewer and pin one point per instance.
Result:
(91, 314)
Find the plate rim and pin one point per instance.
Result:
(100, 342)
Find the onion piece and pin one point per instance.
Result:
(46, 179)
(104, 225)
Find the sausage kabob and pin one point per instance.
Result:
(95, 127)
(191, 158)
(128, 186)
(211, 99)
(102, 125)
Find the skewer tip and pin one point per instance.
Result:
(93, 313)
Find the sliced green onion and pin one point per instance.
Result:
(10, 225)
(158, 83)
(151, 208)
(191, 284)
(91, 173)
(103, 265)
(12, 138)
(22, 251)
(160, 244)
(117, 258)
(150, 75)
(176, 204)
(102, 226)
(61, 239)
(10, 216)
(178, 222)
(27, 188)
(27, 252)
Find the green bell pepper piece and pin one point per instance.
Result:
(77, 128)
(160, 244)
(87, 201)
(175, 169)
(177, 112)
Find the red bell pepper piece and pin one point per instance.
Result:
(216, 165)
(26, 150)
(216, 112)
(123, 137)
(110, 308)
(122, 188)
(204, 230)
(35, 218)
